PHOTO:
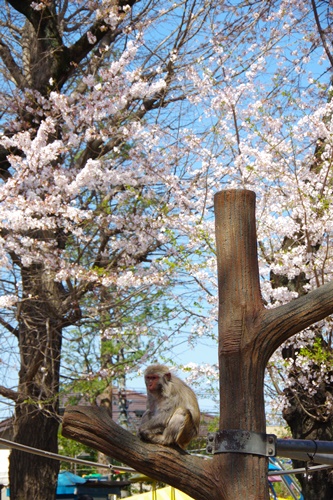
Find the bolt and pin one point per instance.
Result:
(209, 449)
(270, 451)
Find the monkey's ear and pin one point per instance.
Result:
(168, 376)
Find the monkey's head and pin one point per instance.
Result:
(156, 377)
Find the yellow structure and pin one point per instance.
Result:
(170, 493)
(167, 493)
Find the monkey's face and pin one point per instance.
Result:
(153, 382)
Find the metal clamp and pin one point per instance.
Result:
(237, 441)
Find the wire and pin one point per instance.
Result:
(62, 458)
(298, 471)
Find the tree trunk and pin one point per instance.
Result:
(31, 476)
(36, 411)
(306, 413)
(306, 425)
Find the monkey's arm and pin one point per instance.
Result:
(178, 428)
(152, 425)
(155, 419)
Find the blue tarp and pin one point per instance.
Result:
(67, 483)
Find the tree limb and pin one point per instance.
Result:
(8, 326)
(283, 322)
(22, 6)
(321, 33)
(13, 68)
(94, 427)
(8, 393)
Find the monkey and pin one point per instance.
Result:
(172, 416)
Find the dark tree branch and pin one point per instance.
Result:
(94, 427)
(283, 322)
(321, 33)
(81, 48)
(4, 164)
(63, 60)
(50, 53)
(8, 326)
(13, 68)
(8, 393)
(22, 6)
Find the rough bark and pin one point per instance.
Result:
(36, 409)
(94, 427)
(318, 486)
(241, 356)
(309, 415)
(248, 335)
(33, 476)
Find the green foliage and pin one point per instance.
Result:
(213, 425)
(73, 449)
(318, 352)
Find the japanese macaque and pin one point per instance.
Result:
(172, 415)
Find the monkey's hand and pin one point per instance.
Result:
(150, 429)
(179, 429)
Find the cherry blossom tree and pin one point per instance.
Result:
(96, 166)
(121, 120)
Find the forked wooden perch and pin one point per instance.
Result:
(248, 336)
(94, 427)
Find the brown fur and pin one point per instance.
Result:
(172, 415)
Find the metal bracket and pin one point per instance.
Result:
(237, 441)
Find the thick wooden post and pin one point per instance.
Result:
(241, 363)
(240, 304)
